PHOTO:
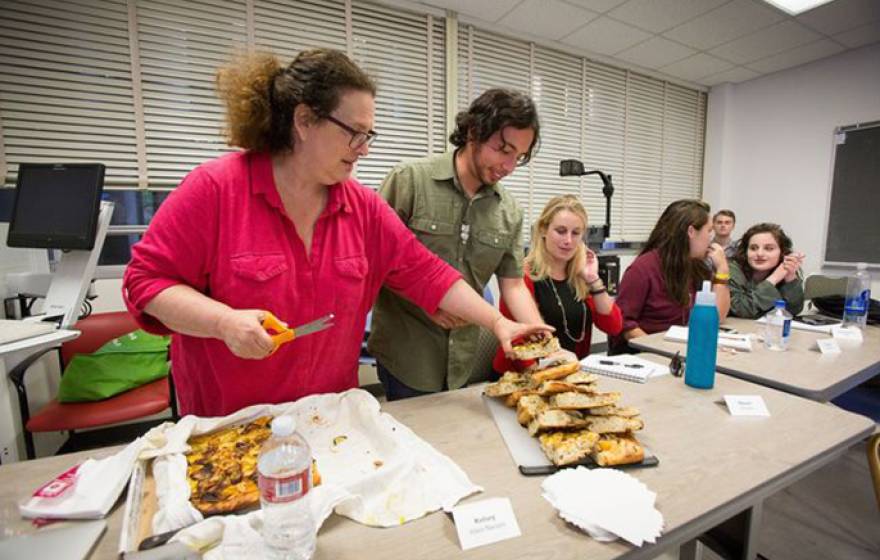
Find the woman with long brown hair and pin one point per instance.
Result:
(281, 226)
(765, 269)
(562, 275)
(658, 287)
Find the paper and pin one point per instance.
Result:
(746, 405)
(485, 522)
(828, 346)
(626, 366)
(726, 340)
(847, 336)
(801, 326)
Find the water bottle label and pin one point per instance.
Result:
(859, 304)
(285, 489)
(786, 328)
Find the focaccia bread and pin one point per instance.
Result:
(553, 419)
(530, 350)
(581, 378)
(509, 383)
(615, 410)
(566, 448)
(557, 371)
(513, 399)
(579, 401)
(528, 407)
(222, 467)
(618, 450)
(614, 424)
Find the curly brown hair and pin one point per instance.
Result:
(260, 95)
(492, 111)
(741, 256)
(670, 238)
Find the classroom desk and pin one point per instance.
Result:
(801, 370)
(712, 466)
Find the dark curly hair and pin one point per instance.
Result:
(742, 249)
(670, 238)
(492, 111)
(261, 95)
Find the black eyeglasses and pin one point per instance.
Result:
(358, 138)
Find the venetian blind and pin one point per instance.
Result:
(645, 132)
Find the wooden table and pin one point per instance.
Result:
(712, 467)
(801, 370)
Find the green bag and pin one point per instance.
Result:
(122, 364)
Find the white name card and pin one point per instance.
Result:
(828, 346)
(485, 522)
(847, 336)
(746, 405)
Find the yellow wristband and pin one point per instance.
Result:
(722, 276)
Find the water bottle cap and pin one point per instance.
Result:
(705, 296)
(283, 426)
(779, 303)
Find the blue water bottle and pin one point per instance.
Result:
(702, 347)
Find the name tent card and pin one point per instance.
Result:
(746, 405)
(485, 522)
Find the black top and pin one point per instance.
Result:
(574, 311)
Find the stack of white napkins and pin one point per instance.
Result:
(606, 503)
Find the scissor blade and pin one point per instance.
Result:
(315, 326)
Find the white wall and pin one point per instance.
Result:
(769, 144)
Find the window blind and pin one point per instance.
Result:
(645, 132)
(66, 86)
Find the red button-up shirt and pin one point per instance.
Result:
(224, 232)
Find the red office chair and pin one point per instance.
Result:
(142, 401)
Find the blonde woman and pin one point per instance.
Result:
(563, 276)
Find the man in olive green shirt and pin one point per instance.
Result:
(456, 207)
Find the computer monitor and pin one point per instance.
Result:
(56, 206)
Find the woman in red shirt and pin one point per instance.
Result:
(282, 227)
(657, 289)
(563, 276)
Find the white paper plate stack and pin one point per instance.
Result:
(606, 503)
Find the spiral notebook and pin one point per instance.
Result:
(625, 366)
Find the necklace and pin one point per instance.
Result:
(564, 319)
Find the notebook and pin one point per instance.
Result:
(626, 366)
(727, 340)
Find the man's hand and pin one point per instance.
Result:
(244, 335)
(506, 331)
(447, 320)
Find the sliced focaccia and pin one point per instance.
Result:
(533, 350)
(528, 407)
(578, 401)
(581, 378)
(614, 424)
(556, 420)
(615, 410)
(555, 371)
(512, 399)
(510, 382)
(566, 448)
(618, 450)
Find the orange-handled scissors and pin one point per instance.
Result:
(286, 334)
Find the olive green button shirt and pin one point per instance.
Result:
(479, 236)
(751, 300)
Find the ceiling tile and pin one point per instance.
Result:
(655, 52)
(547, 18)
(860, 36)
(796, 56)
(596, 5)
(660, 15)
(488, 11)
(696, 67)
(841, 15)
(734, 75)
(606, 36)
(730, 21)
(766, 42)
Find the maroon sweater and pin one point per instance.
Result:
(643, 299)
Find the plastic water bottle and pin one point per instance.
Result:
(858, 298)
(702, 347)
(285, 480)
(777, 330)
